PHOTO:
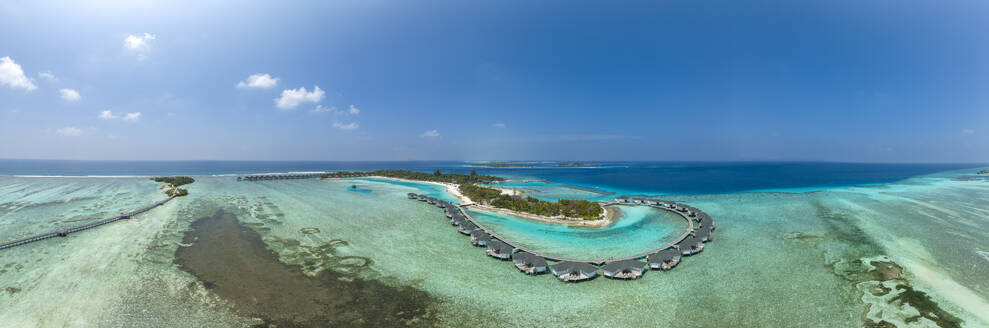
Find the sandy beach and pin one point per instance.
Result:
(608, 217)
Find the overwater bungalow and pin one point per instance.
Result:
(624, 269)
(466, 227)
(690, 246)
(479, 237)
(703, 233)
(621, 200)
(665, 259)
(637, 201)
(705, 221)
(574, 271)
(458, 219)
(499, 249)
(529, 263)
(412, 195)
(449, 212)
(422, 198)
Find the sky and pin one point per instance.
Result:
(848, 81)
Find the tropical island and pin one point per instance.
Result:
(172, 185)
(506, 201)
(531, 165)
(984, 172)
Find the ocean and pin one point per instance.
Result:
(797, 244)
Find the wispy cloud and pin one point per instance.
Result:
(430, 134)
(354, 110)
(348, 126)
(47, 75)
(139, 44)
(69, 95)
(578, 137)
(498, 125)
(132, 117)
(13, 76)
(292, 98)
(323, 109)
(258, 81)
(968, 131)
(69, 131)
(129, 117)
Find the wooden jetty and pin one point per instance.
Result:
(280, 176)
(66, 231)
(692, 215)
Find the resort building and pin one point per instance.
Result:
(466, 227)
(621, 200)
(665, 259)
(568, 271)
(500, 250)
(692, 245)
(479, 237)
(703, 233)
(624, 269)
(458, 219)
(529, 263)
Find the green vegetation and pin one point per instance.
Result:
(174, 181)
(173, 185)
(179, 192)
(566, 207)
(436, 176)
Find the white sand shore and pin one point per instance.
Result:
(608, 217)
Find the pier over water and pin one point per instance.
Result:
(66, 231)
(665, 257)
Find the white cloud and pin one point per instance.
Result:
(108, 115)
(348, 126)
(139, 44)
(69, 132)
(321, 109)
(292, 98)
(430, 133)
(130, 117)
(13, 76)
(499, 125)
(353, 110)
(69, 95)
(968, 131)
(262, 81)
(47, 75)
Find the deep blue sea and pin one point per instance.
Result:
(617, 177)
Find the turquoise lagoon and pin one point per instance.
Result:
(778, 258)
(641, 229)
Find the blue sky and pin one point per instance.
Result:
(872, 81)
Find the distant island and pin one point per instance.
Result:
(503, 165)
(172, 185)
(519, 164)
(468, 186)
(984, 172)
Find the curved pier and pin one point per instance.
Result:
(692, 241)
(279, 176)
(66, 231)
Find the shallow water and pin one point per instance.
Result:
(639, 230)
(778, 259)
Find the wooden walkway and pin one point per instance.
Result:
(595, 261)
(66, 231)
(279, 176)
